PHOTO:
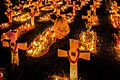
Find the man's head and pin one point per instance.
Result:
(53, 17)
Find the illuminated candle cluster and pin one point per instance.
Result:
(15, 13)
(16, 7)
(20, 30)
(24, 28)
(88, 41)
(115, 20)
(4, 25)
(22, 17)
(44, 18)
(41, 44)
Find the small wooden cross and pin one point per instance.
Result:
(73, 55)
(92, 19)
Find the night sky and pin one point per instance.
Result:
(103, 65)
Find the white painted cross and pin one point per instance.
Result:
(73, 55)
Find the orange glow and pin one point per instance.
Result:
(117, 36)
(88, 41)
(115, 20)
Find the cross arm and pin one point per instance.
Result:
(62, 53)
(84, 55)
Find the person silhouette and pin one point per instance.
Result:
(60, 27)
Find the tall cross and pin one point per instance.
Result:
(73, 55)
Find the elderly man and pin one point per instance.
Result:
(60, 27)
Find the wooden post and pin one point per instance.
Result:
(14, 47)
(32, 16)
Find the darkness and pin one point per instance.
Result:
(104, 65)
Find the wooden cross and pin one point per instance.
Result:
(92, 19)
(33, 14)
(73, 55)
(114, 7)
(13, 45)
(74, 6)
